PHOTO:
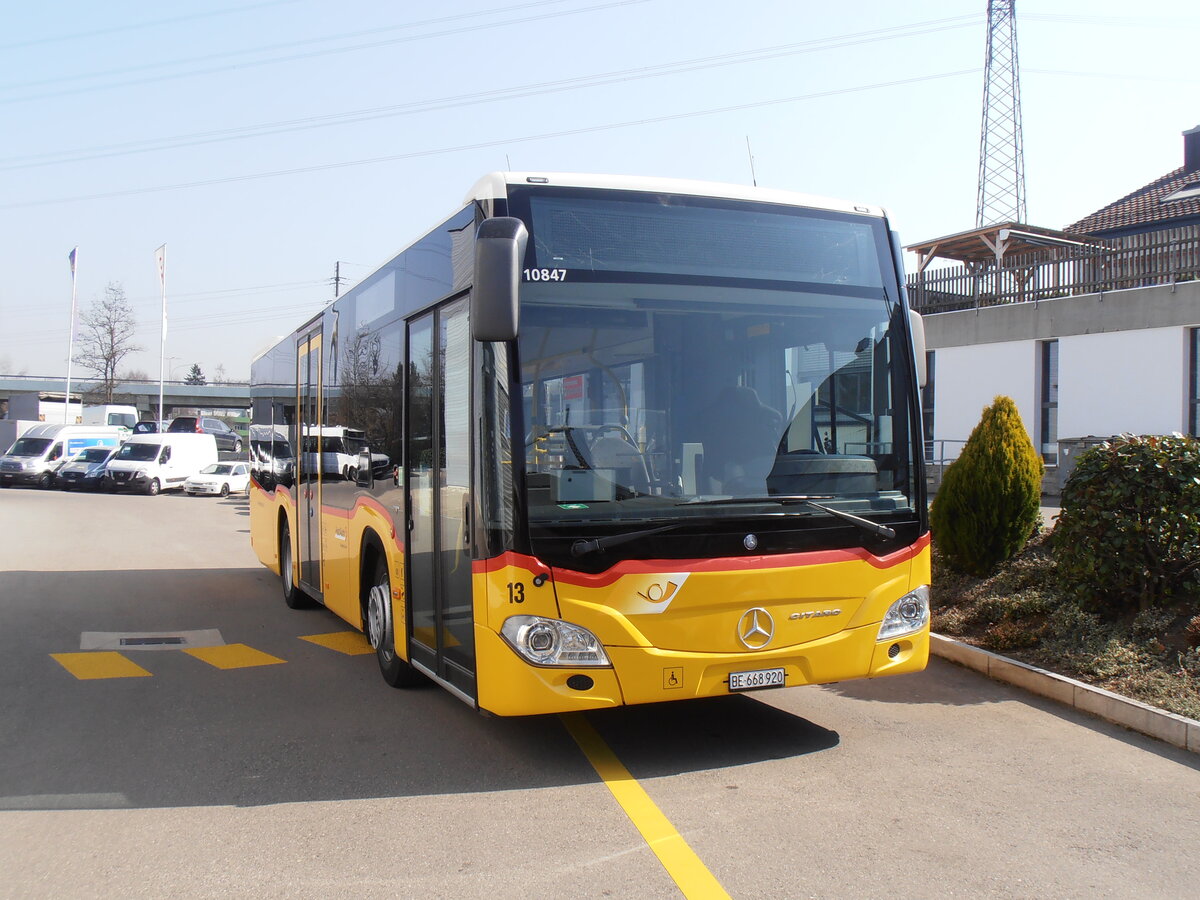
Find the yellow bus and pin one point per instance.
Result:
(618, 440)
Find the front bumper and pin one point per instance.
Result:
(76, 479)
(23, 477)
(123, 481)
(510, 687)
(207, 489)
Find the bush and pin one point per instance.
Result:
(1129, 534)
(987, 506)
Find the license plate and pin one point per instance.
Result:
(759, 678)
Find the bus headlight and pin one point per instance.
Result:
(907, 615)
(551, 642)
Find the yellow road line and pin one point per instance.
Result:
(99, 664)
(352, 643)
(680, 861)
(233, 656)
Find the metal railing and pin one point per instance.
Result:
(1161, 257)
(937, 458)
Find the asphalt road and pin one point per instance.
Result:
(309, 777)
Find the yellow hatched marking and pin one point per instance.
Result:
(352, 643)
(233, 656)
(681, 862)
(99, 664)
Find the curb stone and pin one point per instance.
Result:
(1177, 730)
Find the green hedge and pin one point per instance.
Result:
(1129, 534)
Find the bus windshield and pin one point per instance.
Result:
(689, 358)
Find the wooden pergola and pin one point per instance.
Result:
(1006, 247)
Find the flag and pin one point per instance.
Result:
(160, 256)
(71, 257)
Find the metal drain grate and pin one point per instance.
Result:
(150, 640)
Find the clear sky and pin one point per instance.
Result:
(262, 141)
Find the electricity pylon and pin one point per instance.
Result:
(1001, 196)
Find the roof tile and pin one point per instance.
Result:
(1145, 206)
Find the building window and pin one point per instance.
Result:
(1194, 382)
(1048, 433)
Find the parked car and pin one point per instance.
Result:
(145, 428)
(223, 478)
(86, 469)
(227, 438)
(37, 454)
(160, 462)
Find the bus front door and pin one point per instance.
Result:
(308, 463)
(438, 479)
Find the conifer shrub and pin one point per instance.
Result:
(987, 506)
(1128, 537)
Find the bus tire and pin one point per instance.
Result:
(293, 596)
(395, 671)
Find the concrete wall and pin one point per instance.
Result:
(1133, 381)
(967, 379)
(1123, 362)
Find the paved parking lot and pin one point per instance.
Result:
(275, 762)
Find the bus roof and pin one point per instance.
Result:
(495, 185)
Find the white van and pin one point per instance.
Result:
(160, 462)
(124, 417)
(39, 451)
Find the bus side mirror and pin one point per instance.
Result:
(916, 325)
(499, 252)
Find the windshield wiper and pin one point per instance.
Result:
(582, 548)
(865, 524)
(808, 500)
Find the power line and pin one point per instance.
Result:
(592, 129)
(296, 56)
(193, 323)
(154, 23)
(759, 54)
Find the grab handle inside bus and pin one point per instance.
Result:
(499, 252)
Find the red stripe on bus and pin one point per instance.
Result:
(727, 564)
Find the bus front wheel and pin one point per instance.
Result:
(380, 633)
(293, 596)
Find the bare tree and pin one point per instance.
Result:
(219, 376)
(106, 338)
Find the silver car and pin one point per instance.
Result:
(86, 469)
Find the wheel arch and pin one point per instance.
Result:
(282, 521)
(370, 551)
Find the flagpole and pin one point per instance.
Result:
(74, 255)
(160, 256)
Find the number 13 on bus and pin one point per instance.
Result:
(600, 440)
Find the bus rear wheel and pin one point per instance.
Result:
(381, 634)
